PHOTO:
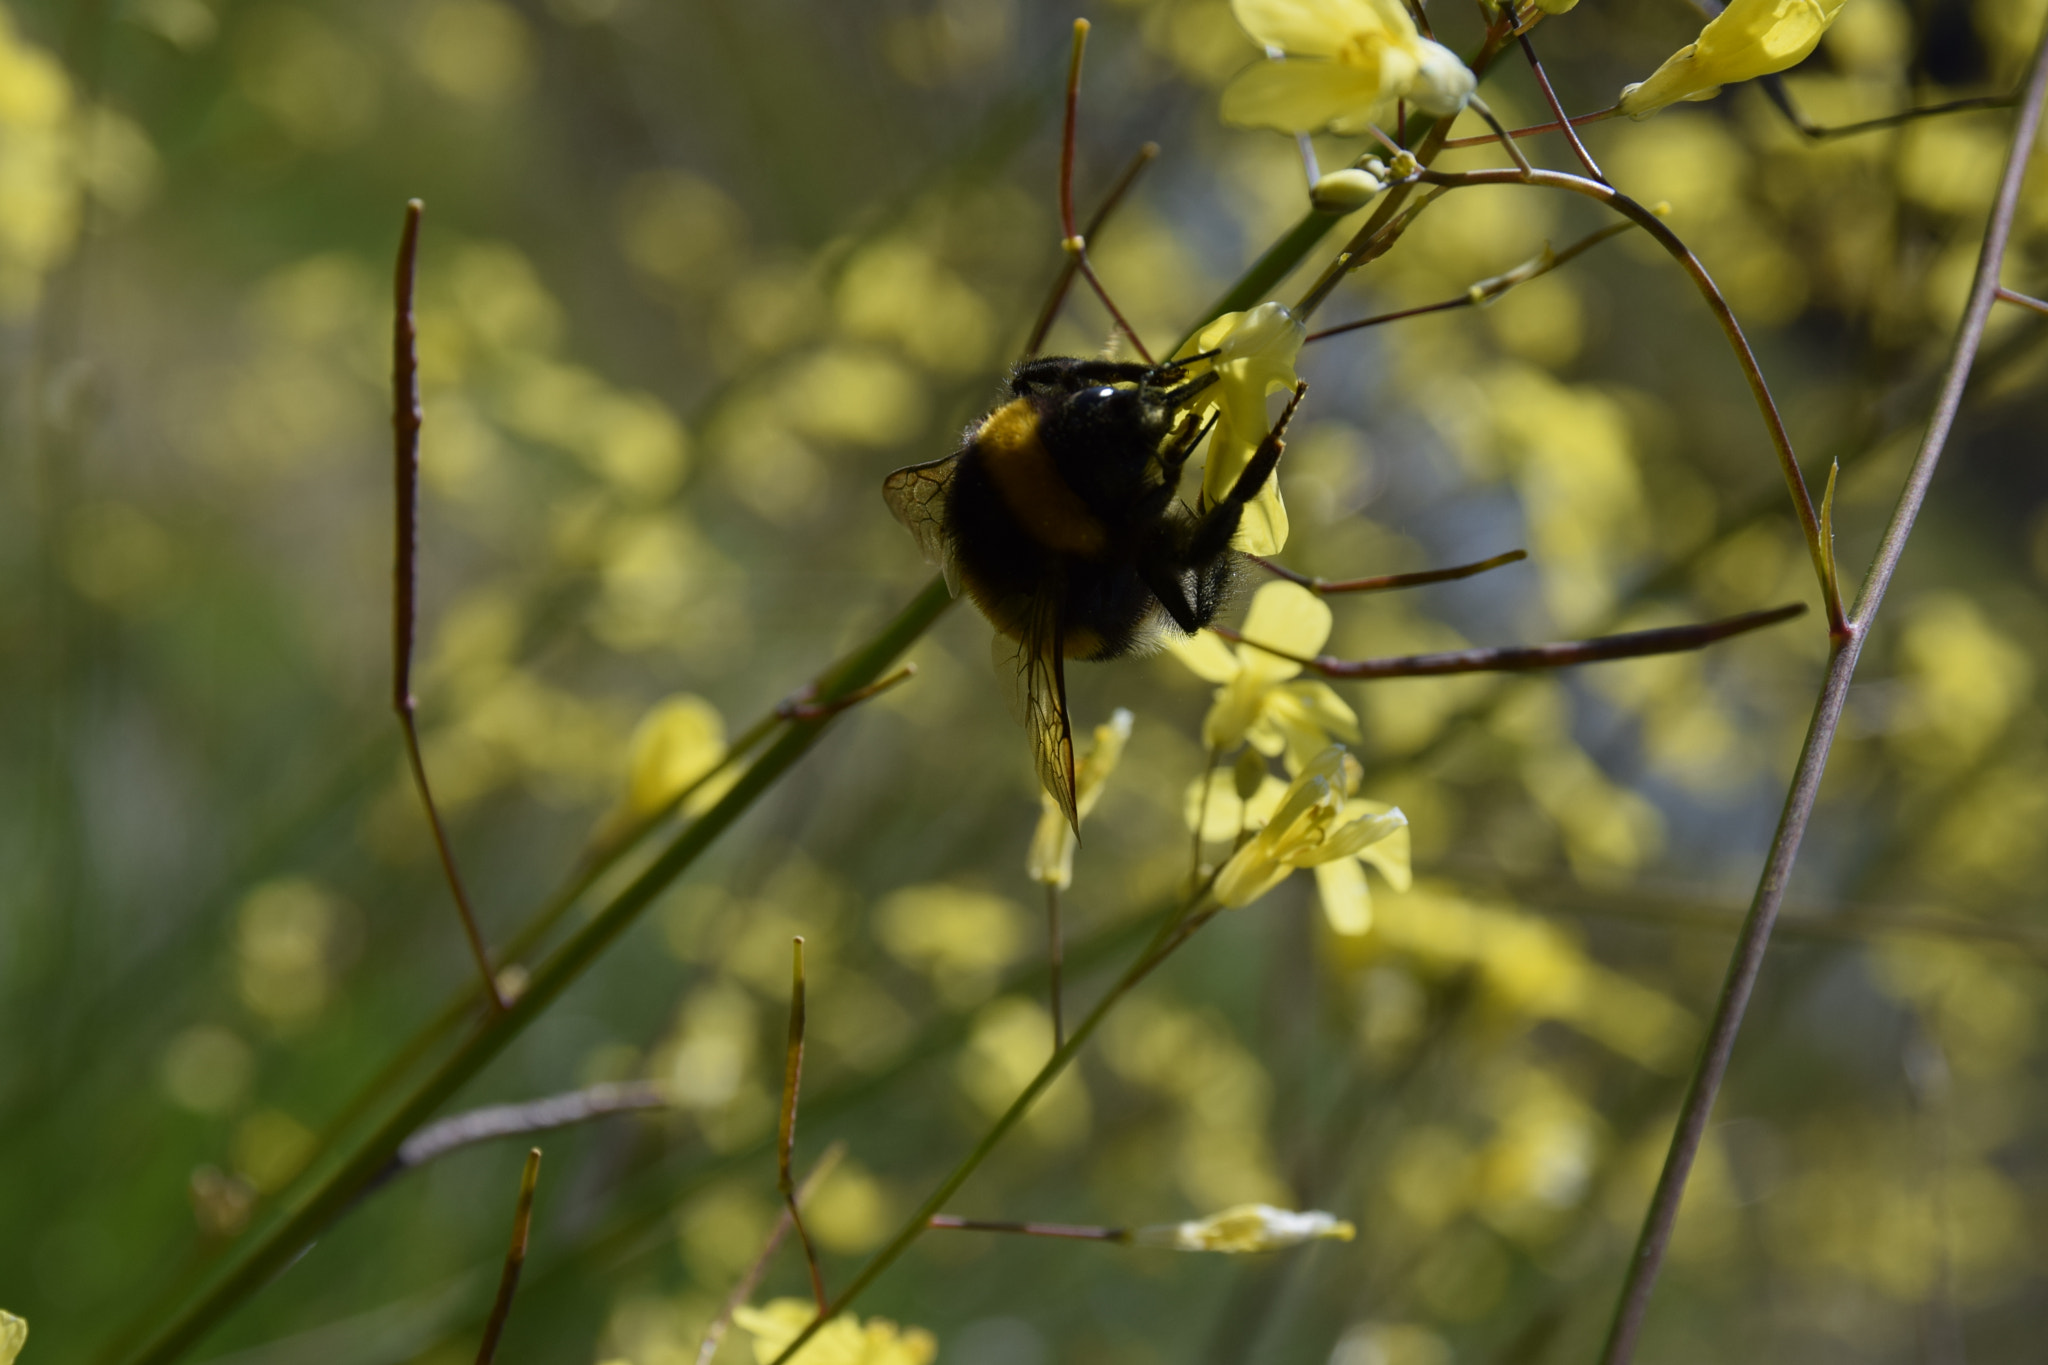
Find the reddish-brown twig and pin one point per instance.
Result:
(405, 424)
(1524, 658)
(1386, 582)
(800, 707)
(785, 1140)
(1071, 1231)
(744, 1289)
(1564, 122)
(1577, 121)
(515, 1260)
(1064, 281)
(1075, 245)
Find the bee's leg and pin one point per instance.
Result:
(1166, 580)
(1213, 530)
(1182, 444)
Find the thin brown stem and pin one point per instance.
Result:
(1746, 962)
(1760, 389)
(744, 1289)
(1564, 122)
(2023, 300)
(1486, 290)
(1500, 133)
(1075, 245)
(785, 1144)
(1577, 121)
(1632, 644)
(515, 1260)
(1322, 587)
(1774, 87)
(405, 426)
(800, 705)
(1064, 281)
(1054, 953)
(1071, 1231)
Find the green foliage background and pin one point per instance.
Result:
(694, 278)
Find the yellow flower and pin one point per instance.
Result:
(1051, 859)
(1261, 698)
(842, 1341)
(1748, 39)
(13, 1332)
(1256, 355)
(1247, 1227)
(1349, 59)
(1320, 822)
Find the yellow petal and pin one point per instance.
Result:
(1236, 709)
(1287, 616)
(1390, 855)
(1247, 1227)
(1748, 39)
(1306, 28)
(1100, 760)
(1442, 82)
(675, 744)
(1051, 859)
(1354, 836)
(1262, 530)
(1347, 901)
(1205, 655)
(1251, 872)
(13, 1332)
(1302, 96)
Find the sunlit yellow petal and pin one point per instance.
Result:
(1288, 617)
(1263, 528)
(1302, 96)
(1390, 856)
(13, 1332)
(1347, 901)
(1205, 655)
(1442, 82)
(1051, 859)
(1307, 28)
(1748, 39)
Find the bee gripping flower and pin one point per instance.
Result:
(1247, 1227)
(1748, 39)
(1255, 356)
(1051, 859)
(1347, 59)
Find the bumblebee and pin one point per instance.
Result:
(1058, 515)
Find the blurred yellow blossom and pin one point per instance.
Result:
(843, 1341)
(1255, 357)
(1261, 698)
(1350, 58)
(1247, 1227)
(1318, 822)
(1051, 859)
(1748, 39)
(677, 744)
(13, 1332)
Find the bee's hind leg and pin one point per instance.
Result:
(1213, 530)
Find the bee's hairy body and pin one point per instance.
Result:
(1058, 516)
(1069, 488)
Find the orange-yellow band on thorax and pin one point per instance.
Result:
(1031, 486)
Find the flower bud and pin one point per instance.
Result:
(1343, 191)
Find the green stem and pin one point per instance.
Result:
(297, 1229)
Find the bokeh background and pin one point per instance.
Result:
(695, 276)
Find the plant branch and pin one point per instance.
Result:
(1071, 241)
(1524, 658)
(1486, 290)
(1564, 122)
(1774, 88)
(2023, 300)
(281, 1243)
(1488, 139)
(1073, 1231)
(515, 1260)
(1781, 439)
(744, 1289)
(1173, 932)
(785, 1128)
(1064, 281)
(496, 1121)
(405, 427)
(1747, 960)
(1322, 587)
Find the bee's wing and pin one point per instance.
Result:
(917, 497)
(1037, 664)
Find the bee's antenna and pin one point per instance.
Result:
(1071, 241)
(1179, 396)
